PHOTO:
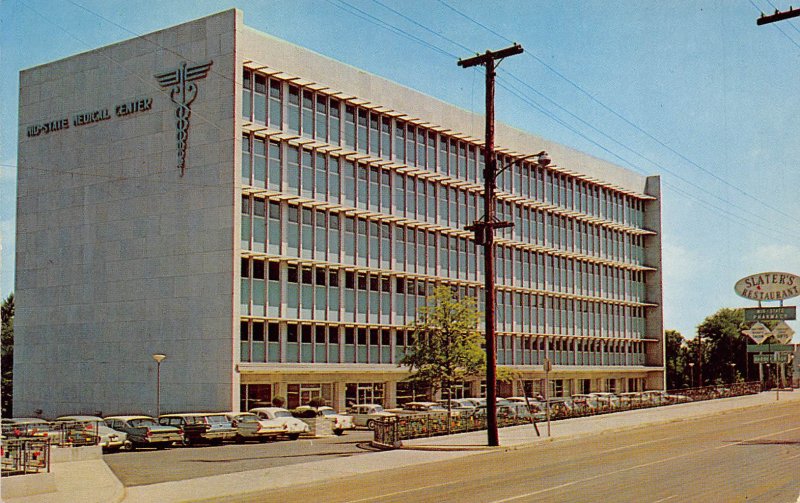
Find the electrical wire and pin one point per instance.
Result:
(625, 119)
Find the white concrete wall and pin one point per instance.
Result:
(118, 256)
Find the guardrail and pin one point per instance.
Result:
(390, 432)
(22, 456)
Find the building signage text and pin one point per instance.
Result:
(90, 117)
(769, 286)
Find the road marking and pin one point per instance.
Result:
(767, 419)
(641, 443)
(755, 438)
(667, 498)
(401, 492)
(644, 465)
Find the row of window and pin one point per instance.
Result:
(279, 290)
(292, 108)
(344, 239)
(325, 177)
(309, 343)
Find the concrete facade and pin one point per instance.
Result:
(120, 257)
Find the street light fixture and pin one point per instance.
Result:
(158, 357)
(691, 374)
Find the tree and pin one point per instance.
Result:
(723, 344)
(677, 359)
(446, 346)
(7, 358)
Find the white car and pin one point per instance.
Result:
(249, 426)
(339, 422)
(109, 439)
(294, 426)
(365, 414)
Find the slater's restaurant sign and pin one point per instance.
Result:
(769, 286)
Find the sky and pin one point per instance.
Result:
(693, 91)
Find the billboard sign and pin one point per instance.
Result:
(769, 286)
(758, 332)
(770, 313)
(782, 332)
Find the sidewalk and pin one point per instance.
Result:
(414, 452)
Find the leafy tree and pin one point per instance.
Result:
(446, 346)
(677, 359)
(723, 344)
(7, 359)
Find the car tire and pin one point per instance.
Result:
(263, 439)
(338, 433)
(186, 442)
(161, 447)
(129, 446)
(294, 436)
(371, 424)
(216, 441)
(239, 439)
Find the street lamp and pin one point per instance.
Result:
(733, 372)
(158, 357)
(691, 374)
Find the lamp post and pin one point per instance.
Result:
(158, 357)
(733, 372)
(691, 374)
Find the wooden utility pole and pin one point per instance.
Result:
(484, 230)
(778, 16)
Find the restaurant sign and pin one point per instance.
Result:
(769, 286)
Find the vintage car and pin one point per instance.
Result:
(144, 431)
(31, 427)
(252, 427)
(294, 426)
(365, 414)
(82, 428)
(200, 427)
(339, 422)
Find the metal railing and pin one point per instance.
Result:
(22, 456)
(391, 431)
(58, 433)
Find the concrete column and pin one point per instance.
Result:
(337, 401)
(390, 394)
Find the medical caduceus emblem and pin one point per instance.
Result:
(183, 91)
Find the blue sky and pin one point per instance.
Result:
(691, 90)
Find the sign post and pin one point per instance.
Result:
(770, 286)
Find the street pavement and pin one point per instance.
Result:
(234, 486)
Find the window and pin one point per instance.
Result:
(260, 99)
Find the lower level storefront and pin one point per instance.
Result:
(387, 385)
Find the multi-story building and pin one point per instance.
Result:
(271, 220)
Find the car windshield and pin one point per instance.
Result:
(378, 409)
(144, 422)
(283, 413)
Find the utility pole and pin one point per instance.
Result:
(778, 16)
(484, 230)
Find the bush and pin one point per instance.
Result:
(317, 401)
(278, 401)
(305, 413)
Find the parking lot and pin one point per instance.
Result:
(150, 466)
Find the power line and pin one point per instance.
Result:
(625, 119)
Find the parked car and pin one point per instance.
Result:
(34, 427)
(458, 406)
(606, 400)
(200, 427)
(82, 427)
(339, 422)
(251, 427)
(365, 414)
(144, 431)
(294, 426)
(632, 399)
(421, 407)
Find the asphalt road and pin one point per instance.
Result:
(747, 455)
(151, 466)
